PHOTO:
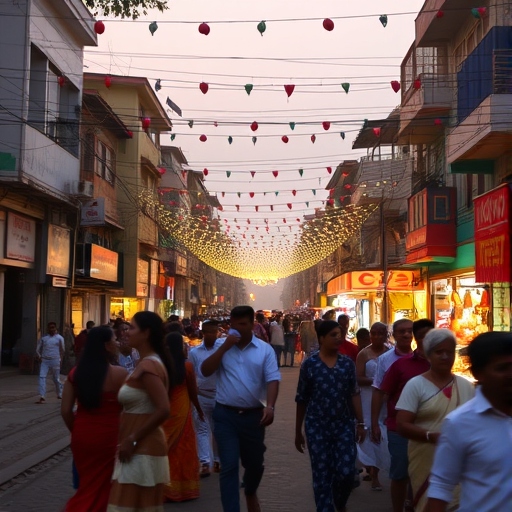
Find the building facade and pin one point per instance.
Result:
(42, 57)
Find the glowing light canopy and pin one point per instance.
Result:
(259, 256)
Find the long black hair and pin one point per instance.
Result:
(174, 342)
(147, 320)
(91, 371)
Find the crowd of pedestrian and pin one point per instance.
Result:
(153, 407)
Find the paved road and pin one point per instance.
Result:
(286, 485)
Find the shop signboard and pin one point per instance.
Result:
(373, 280)
(59, 244)
(21, 238)
(492, 236)
(142, 277)
(93, 212)
(104, 264)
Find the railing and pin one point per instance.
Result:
(65, 132)
(502, 72)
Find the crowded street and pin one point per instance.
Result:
(255, 256)
(286, 484)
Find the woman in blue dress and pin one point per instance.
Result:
(328, 400)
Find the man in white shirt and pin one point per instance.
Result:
(247, 389)
(50, 351)
(475, 446)
(206, 391)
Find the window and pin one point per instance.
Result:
(53, 108)
(441, 208)
(105, 162)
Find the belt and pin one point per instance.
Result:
(240, 410)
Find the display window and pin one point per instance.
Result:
(463, 306)
(501, 307)
(126, 307)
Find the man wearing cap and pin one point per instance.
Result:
(206, 391)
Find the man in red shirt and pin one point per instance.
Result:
(347, 348)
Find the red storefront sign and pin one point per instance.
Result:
(492, 236)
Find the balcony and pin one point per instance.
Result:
(431, 30)
(432, 230)
(388, 180)
(486, 133)
(421, 107)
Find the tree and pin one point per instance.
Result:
(125, 8)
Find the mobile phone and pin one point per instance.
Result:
(234, 332)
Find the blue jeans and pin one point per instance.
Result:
(278, 350)
(397, 446)
(240, 437)
(48, 365)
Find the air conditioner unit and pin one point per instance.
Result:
(81, 188)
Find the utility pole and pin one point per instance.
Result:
(384, 255)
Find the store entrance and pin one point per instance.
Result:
(12, 315)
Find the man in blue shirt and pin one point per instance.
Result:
(247, 389)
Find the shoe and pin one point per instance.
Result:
(205, 470)
(377, 488)
(41, 401)
(216, 467)
(59, 398)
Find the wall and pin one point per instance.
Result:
(51, 166)
(471, 92)
(13, 33)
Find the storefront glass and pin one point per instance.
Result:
(126, 307)
(501, 307)
(463, 306)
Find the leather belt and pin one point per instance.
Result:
(240, 410)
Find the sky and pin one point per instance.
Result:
(359, 51)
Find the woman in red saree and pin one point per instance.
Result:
(179, 428)
(94, 385)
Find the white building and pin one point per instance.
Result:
(41, 75)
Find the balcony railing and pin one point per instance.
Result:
(502, 72)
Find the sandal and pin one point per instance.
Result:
(377, 488)
(205, 470)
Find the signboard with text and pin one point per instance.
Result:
(21, 238)
(59, 244)
(104, 264)
(492, 236)
(93, 212)
(373, 280)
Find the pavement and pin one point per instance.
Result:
(45, 486)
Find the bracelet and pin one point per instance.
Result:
(360, 425)
(427, 435)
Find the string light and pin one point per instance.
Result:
(262, 258)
